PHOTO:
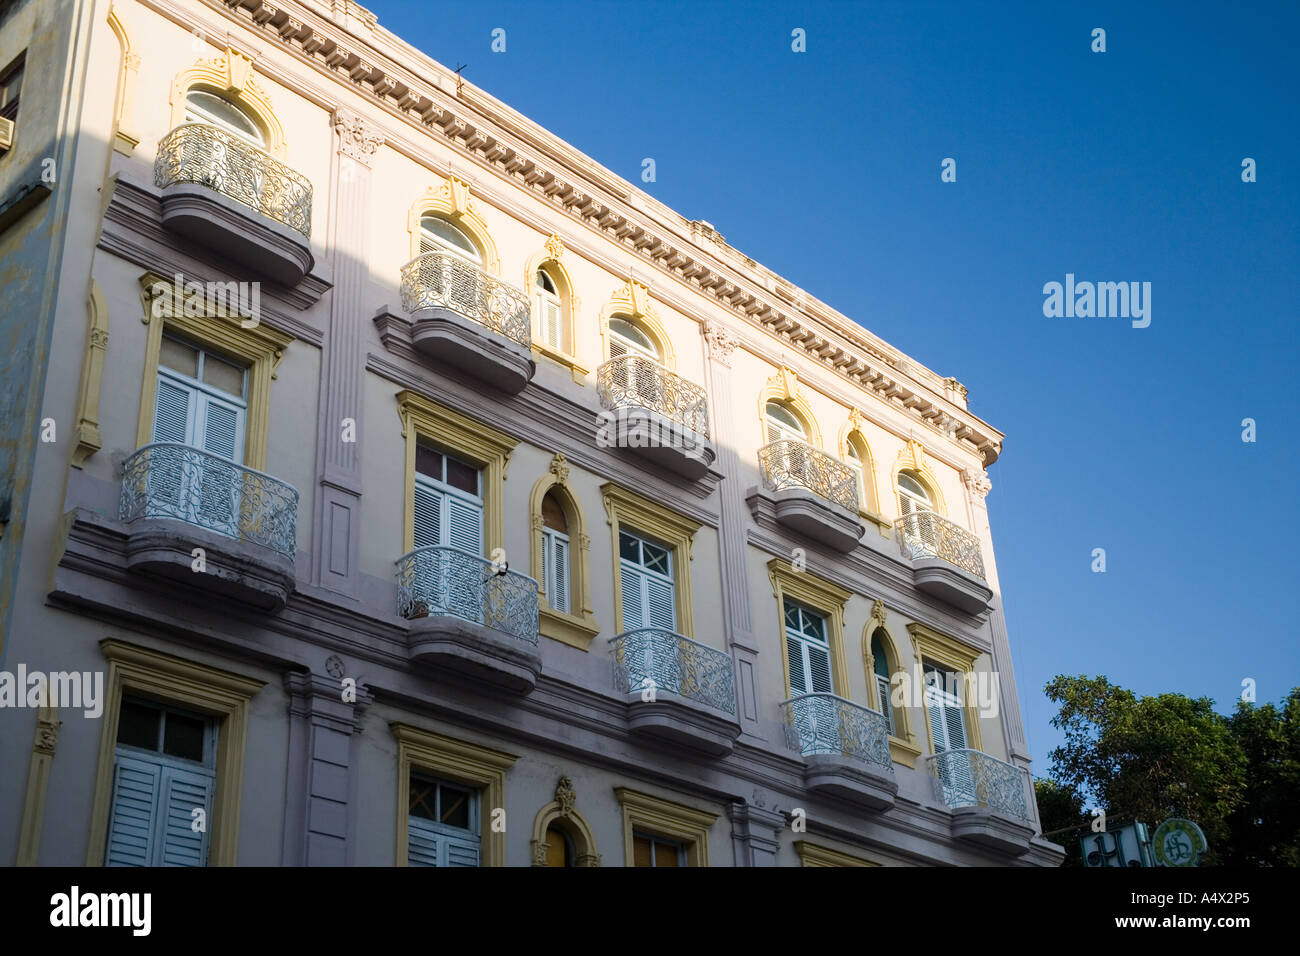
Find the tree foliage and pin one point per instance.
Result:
(1150, 758)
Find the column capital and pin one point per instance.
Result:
(358, 137)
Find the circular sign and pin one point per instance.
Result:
(1178, 842)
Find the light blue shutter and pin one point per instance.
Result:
(631, 591)
(173, 413)
(660, 607)
(220, 486)
(223, 429)
(131, 821)
(555, 561)
(465, 525)
(428, 516)
(886, 704)
(819, 669)
(183, 791)
(462, 852)
(422, 842)
(794, 651)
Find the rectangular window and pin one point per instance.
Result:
(164, 776)
(651, 850)
(443, 824)
(11, 85)
(448, 502)
(646, 580)
(808, 651)
(886, 706)
(550, 319)
(555, 569)
(948, 732)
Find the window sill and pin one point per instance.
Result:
(572, 629)
(568, 361)
(883, 524)
(903, 752)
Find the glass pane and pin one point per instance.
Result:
(462, 476)
(544, 282)
(179, 357)
(666, 854)
(910, 485)
(447, 236)
(641, 852)
(784, 418)
(183, 737)
(453, 806)
(137, 725)
(629, 547)
(204, 107)
(629, 333)
(428, 462)
(553, 515)
(223, 376)
(423, 797)
(791, 616)
(656, 558)
(558, 852)
(878, 653)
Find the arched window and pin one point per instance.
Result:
(882, 677)
(556, 555)
(912, 493)
(559, 847)
(550, 311)
(439, 235)
(783, 424)
(626, 339)
(860, 474)
(204, 106)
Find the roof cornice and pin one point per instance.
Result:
(343, 38)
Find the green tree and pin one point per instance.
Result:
(1266, 826)
(1060, 810)
(1148, 758)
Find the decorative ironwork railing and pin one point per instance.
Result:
(209, 156)
(827, 724)
(970, 778)
(441, 280)
(925, 534)
(633, 381)
(654, 659)
(790, 463)
(168, 480)
(441, 580)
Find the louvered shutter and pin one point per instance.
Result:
(773, 433)
(551, 322)
(465, 525)
(462, 851)
(422, 842)
(819, 669)
(661, 610)
(220, 486)
(616, 347)
(427, 525)
(173, 412)
(183, 791)
(938, 726)
(557, 586)
(886, 705)
(131, 822)
(794, 651)
(632, 591)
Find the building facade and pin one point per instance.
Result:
(418, 492)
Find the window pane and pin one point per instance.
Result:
(453, 806)
(207, 107)
(656, 558)
(462, 476)
(558, 851)
(179, 357)
(666, 854)
(137, 725)
(423, 796)
(428, 462)
(544, 281)
(629, 547)
(450, 236)
(183, 737)
(784, 418)
(641, 852)
(222, 375)
(553, 514)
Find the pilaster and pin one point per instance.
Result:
(755, 834)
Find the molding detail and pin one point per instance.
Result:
(784, 387)
(38, 782)
(977, 482)
(665, 818)
(452, 201)
(563, 814)
(125, 137)
(820, 595)
(632, 301)
(231, 74)
(722, 341)
(358, 137)
(812, 855)
(576, 628)
(88, 437)
(669, 528)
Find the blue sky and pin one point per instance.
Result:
(1116, 166)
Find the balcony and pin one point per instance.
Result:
(176, 499)
(677, 690)
(469, 319)
(946, 560)
(809, 492)
(845, 749)
(232, 197)
(467, 617)
(659, 415)
(988, 797)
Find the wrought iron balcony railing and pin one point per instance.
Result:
(970, 778)
(649, 658)
(827, 724)
(633, 381)
(438, 580)
(209, 156)
(790, 463)
(925, 534)
(441, 280)
(167, 480)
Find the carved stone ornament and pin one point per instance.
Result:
(554, 248)
(560, 467)
(47, 733)
(977, 482)
(539, 853)
(358, 139)
(565, 796)
(877, 618)
(721, 342)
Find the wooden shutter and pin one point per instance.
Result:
(617, 349)
(465, 525)
(131, 821)
(223, 429)
(661, 609)
(555, 559)
(819, 669)
(220, 487)
(551, 322)
(184, 791)
(462, 851)
(632, 596)
(794, 651)
(886, 706)
(173, 416)
(422, 842)
(427, 525)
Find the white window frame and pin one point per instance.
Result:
(909, 500)
(783, 430)
(552, 540)
(647, 574)
(806, 642)
(549, 299)
(196, 113)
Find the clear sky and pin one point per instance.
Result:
(1116, 166)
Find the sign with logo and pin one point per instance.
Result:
(1178, 842)
(1128, 845)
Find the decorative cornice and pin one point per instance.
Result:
(474, 122)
